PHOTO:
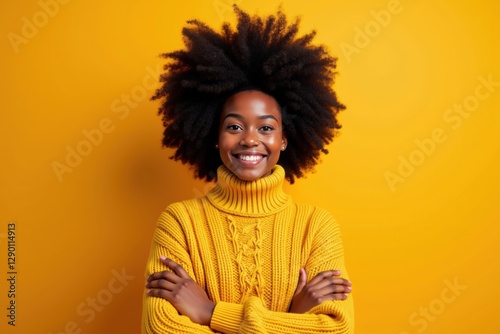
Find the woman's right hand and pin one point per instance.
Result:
(176, 286)
(322, 287)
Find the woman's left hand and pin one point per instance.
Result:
(177, 287)
(324, 286)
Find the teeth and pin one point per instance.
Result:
(250, 157)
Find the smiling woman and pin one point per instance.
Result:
(249, 108)
(250, 135)
(263, 54)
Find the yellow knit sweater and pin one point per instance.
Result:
(244, 243)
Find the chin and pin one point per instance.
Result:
(250, 175)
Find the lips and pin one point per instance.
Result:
(249, 158)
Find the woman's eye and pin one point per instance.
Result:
(266, 128)
(233, 127)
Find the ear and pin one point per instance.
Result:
(284, 142)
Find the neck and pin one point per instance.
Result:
(257, 198)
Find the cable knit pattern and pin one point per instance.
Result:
(248, 248)
(244, 243)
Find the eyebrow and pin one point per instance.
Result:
(241, 117)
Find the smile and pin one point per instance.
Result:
(248, 159)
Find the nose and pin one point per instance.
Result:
(249, 139)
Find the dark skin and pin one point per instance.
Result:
(324, 286)
(177, 287)
(250, 141)
(251, 137)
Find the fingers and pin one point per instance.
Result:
(341, 283)
(324, 274)
(164, 283)
(163, 275)
(302, 276)
(175, 267)
(331, 289)
(302, 281)
(160, 284)
(329, 292)
(335, 296)
(325, 286)
(160, 293)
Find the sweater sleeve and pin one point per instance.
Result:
(158, 315)
(329, 317)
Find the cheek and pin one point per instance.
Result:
(275, 143)
(220, 138)
(226, 144)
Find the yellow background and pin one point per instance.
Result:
(405, 243)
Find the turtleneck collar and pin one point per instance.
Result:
(249, 198)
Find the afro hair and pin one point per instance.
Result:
(264, 54)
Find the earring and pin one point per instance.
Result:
(216, 145)
(282, 147)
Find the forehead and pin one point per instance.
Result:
(251, 102)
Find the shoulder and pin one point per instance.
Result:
(317, 221)
(181, 211)
(322, 231)
(184, 206)
(314, 214)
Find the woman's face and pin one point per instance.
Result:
(250, 134)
